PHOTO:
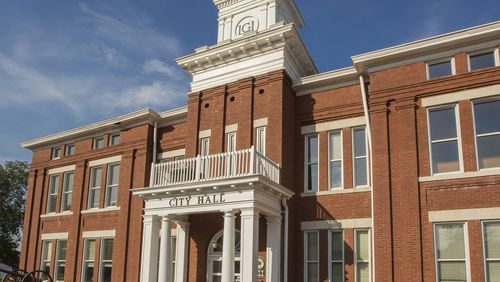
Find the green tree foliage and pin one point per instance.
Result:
(13, 185)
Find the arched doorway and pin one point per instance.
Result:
(214, 257)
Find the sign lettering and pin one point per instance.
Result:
(201, 200)
(247, 24)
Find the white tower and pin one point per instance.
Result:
(254, 37)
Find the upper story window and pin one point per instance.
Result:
(52, 195)
(69, 150)
(114, 139)
(113, 172)
(88, 260)
(56, 153)
(444, 142)
(311, 257)
(487, 126)
(94, 187)
(311, 163)
(451, 255)
(67, 191)
(440, 68)
(360, 157)
(260, 144)
(98, 143)
(335, 158)
(483, 59)
(60, 266)
(204, 146)
(46, 256)
(362, 255)
(336, 256)
(105, 262)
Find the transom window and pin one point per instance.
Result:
(487, 126)
(451, 258)
(311, 169)
(443, 136)
(335, 155)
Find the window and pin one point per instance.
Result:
(95, 187)
(69, 150)
(98, 143)
(60, 260)
(113, 172)
(481, 60)
(335, 155)
(46, 256)
(360, 158)
(261, 140)
(106, 260)
(362, 255)
(486, 117)
(491, 231)
(56, 153)
(205, 146)
(311, 157)
(67, 191)
(440, 68)
(311, 251)
(231, 160)
(336, 256)
(114, 139)
(88, 260)
(52, 197)
(443, 136)
(451, 261)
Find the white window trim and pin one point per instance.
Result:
(483, 51)
(342, 184)
(459, 138)
(111, 186)
(94, 142)
(473, 104)
(306, 251)
(52, 157)
(356, 254)
(466, 246)
(54, 193)
(353, 146)
(66, 147)
(69, 191)
(91, 188)
(438, 61)
(330, 260)
(485, 260)
(306, 162)
(56, 261)
(260, 131)
(85, 252)
(101, 252)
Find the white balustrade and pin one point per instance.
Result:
(214, 167)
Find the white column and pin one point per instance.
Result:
(273, 266)
(249, 244)
(149, 256)
(228, 248)
(182, 251)
(165, 271)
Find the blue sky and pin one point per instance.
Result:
(65, 63)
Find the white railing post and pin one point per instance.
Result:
(198, 168)
(252, 160)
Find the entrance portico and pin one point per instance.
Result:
(246, 198)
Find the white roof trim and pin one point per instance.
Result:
(415, 48)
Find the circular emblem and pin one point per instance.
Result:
(245, 25)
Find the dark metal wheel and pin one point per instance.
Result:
(10, 278)
(37, 276)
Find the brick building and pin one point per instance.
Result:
(388, 170)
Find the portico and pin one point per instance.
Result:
(238, 198)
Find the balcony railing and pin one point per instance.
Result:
(214, 167)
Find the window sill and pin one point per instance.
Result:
(101, 210)
(461, 175)
(56, 214)
(336, 192)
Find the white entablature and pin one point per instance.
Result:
(237, 17)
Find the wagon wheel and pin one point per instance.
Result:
(37, 276)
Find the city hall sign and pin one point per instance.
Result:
(197, 200)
